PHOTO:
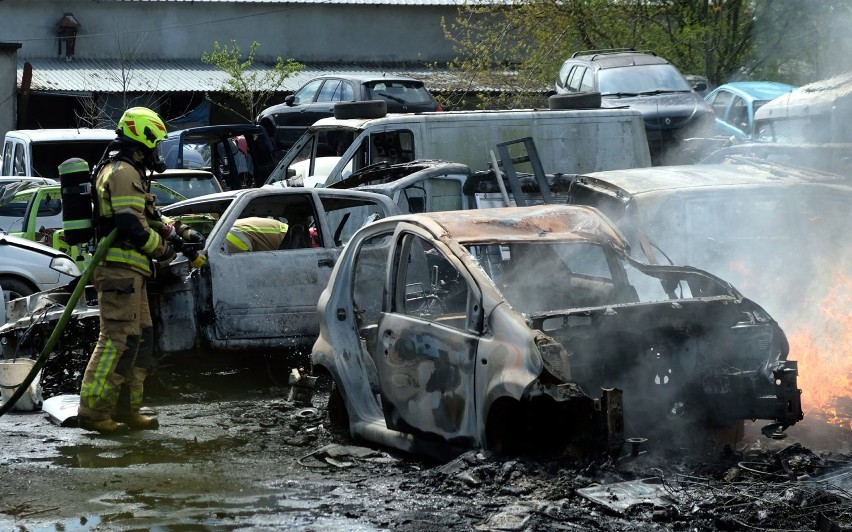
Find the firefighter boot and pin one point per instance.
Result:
(137, 421)
(103, 426)
(130, 400)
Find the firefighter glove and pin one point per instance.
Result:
(195, 258)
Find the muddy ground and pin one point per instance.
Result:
(232, 453)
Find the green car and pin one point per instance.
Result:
(34, 212)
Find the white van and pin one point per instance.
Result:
(39, 152)
(567, 141)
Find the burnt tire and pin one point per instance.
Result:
(365, 109)
(577, 100)
(338, 417)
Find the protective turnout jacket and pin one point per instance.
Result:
(255, 234)
(123, 201)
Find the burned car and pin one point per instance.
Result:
(532, 329)
(262, 301)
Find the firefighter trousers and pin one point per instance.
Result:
(115, 375)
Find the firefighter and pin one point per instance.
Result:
(111, 391)
(256, 234)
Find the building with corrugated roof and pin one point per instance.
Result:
(79, 55)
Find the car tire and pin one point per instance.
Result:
(577, 100)
(15, 288)
(365, 109)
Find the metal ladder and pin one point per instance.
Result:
(508, 163)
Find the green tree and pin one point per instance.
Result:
(521, 46)
(252, 87)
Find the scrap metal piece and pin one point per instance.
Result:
(61, 410)
(621, 496)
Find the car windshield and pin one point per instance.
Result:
(641, 79)
(190, 186)
(398, 91)
(545, 277)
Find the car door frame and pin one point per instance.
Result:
(454, 416)
(239, 320)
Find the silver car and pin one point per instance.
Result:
(27, 267)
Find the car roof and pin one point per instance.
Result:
(364, 78)
(754, 90)
(539, 223)
(616, 59)
(230, 195)
(217, 131)
(5, 180)
(811, 99)
(384, 177)
(638, 181)
(63, 134)
(29, 245)
(184, 172)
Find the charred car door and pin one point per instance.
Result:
(426, 342)
(268, 297)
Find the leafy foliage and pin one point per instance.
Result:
(520, 46)
(251, 87)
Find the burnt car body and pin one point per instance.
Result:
(243, 302)
(532, 329)
(769, 229)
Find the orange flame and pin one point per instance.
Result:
(823, 346)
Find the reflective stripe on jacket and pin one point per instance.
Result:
(120, 188)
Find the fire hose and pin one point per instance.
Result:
(79, 288)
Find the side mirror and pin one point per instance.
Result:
(700, 86)
(289, 99)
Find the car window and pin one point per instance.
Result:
(190, 186)
(328, 90)
(720, 102)
(428, 285)
(588, 82)
(368, 278)
(307, 92)
(576, 78)
(47, 156)
(19, 167)
(738, 115)
(562, 80)
(345, 93)
(12, 213)
(346, 215)
(585, 276)
(641, 78)
(392, 147)
(8, 150)
(49, 215)
(399, 91)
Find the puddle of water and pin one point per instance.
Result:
(296, 510)
(86, 456)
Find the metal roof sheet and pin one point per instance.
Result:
(169, 75)
(361, 2)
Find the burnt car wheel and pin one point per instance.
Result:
(366, 109)
(578, 100)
